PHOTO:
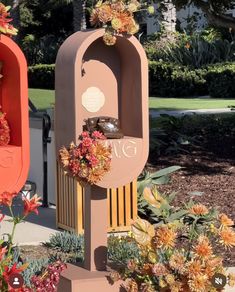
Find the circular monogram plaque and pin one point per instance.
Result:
(93, 99)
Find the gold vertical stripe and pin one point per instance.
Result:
(128, 204)
(121, 209)
(114, 207)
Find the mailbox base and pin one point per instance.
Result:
(78, 279)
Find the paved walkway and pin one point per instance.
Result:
(155, 114)
(36, 228)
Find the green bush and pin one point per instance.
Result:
(220, 80)
(170, 80)
(42, 76)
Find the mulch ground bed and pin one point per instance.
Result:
(210, 173)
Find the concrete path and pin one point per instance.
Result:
(155, 114)
(230, 289)
(36, 228)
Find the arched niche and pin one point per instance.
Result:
(85, 66)
(14, 158)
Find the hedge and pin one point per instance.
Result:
(221, 80)
(165, 79)
(42, 76)
(170, 80)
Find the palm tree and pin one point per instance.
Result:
(79, 15)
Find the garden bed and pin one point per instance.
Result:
(211, 176)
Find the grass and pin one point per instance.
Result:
(189, 103)
(44, 99)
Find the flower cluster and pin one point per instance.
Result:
(5, 26)
(4, 130)
(7, 266)
(177, 253)
(88, 161)
(49, 280)
(117, 16)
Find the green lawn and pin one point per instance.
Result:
(189, 103)
(44, 99)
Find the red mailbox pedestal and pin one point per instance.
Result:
(14, 158)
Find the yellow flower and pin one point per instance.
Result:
(109, 39)
(162, 283)
(132, 27)
(170, 279)
(132, 7)
(203, 249)
(225, 220)
(199, 210)
(116, 23)
(199, 283)
(177, 287)
(151, 9)
(165, 237)
(227, 237)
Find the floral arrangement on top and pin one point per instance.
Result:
(177, 252)
(88, 161)
(5, 26)
(117, 16)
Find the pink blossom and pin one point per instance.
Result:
(98, 135)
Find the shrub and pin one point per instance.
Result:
(41, 76)
(220, 79)
(180, 251)
(194, 51)
(169, 80)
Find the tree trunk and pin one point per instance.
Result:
(169, 16)
(15, 14)
(79, 15)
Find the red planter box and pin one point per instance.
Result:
(14, 158)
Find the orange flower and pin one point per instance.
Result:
(199, 283)
(105, 13)
(203, 249)
(177, 262)
(227, 237)
(165, 237)
(6, 198)
(225, 220)
(194, 268)
(187, 46)
(199, 210)
(31, 205)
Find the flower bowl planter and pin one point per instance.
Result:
(14, 158)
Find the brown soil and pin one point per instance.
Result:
(206, 173)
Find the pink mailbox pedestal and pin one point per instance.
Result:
(92, 80)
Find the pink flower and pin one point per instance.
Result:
(93, 161)
(98, 135)
(84, 135)
(87, 142)
(6, 198)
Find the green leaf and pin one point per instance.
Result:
(196, 193)
(177, 215)
(161, 180)
(165, 171)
